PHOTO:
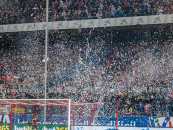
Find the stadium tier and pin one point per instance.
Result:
(120, 65)
(94, 65)
(29, 11)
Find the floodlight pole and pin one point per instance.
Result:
(69, 104)
(46, 43)
(11, 119)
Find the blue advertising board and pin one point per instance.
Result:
(97, 121)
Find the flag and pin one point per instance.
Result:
(8, 77)
(18, 109)
(170, 94)
(163, 121)
(122, 93)
(147, 107)
(127, 111)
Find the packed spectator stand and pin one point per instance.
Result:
(134, 68)
(29, 11)
(129, 68)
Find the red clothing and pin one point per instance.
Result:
(56, 5)
(126, 4)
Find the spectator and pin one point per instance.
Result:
(113, 11)
(22, 121)
(171, 10)
(141, 12)
(160, 11)
(119, 11)
(99, 14)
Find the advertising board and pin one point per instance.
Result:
(40, 127)
(97, 121)
(29, 127)
(4, 126)
(119, 128)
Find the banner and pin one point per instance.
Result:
(98, 121)
(40, 127)
(5, 109)
(29, 127)
(119, 128)
(60, 127)
(4, 126)
(91, 23)
(8, 77)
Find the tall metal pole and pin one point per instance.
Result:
(46, 43)
(11, 119)
(69, 114)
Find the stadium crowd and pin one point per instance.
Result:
(29, 11)
(91, 68)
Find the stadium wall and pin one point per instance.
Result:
(92, 23)
(98, 121)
